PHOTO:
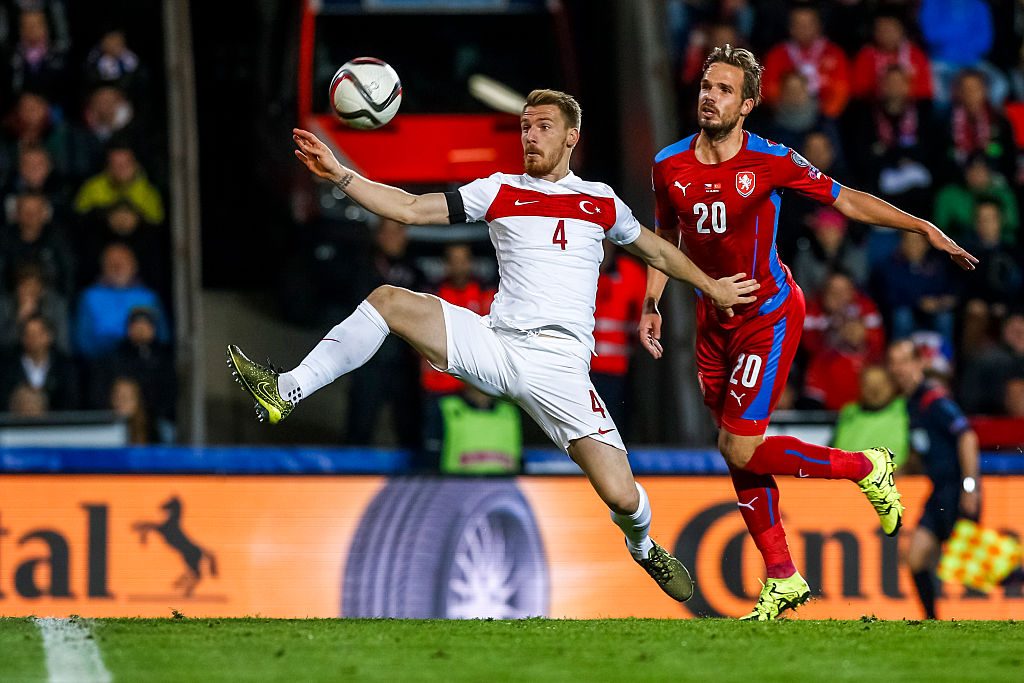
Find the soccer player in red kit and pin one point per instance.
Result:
(718, 194)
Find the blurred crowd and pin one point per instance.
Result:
(922, 103)
(84, 251)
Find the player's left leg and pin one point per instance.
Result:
(761, 354)
(416, 318)
(607, 468)
(553, 385)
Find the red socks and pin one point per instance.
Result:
(786, 455)
(758, 500)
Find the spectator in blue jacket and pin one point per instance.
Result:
(915, 289)
(959, 35)
(104, 308)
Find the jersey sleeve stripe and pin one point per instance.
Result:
(673, 149)
(756, 143)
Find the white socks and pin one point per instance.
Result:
(346, 347)
(636, 526)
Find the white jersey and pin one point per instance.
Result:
(547, 237)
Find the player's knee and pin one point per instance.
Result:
(387, 299)
(623, 501)
(737, 453)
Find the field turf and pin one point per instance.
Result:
(183, 649)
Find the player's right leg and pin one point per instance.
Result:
(417, 318)
(607, 468)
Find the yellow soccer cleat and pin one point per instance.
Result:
(261, 383)
(880, 488)
(779, 595)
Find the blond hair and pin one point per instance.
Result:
(565, 102)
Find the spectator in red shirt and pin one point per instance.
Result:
(828, 313)
(620, 294)
(462, 288)
(890, 47)
(820, 60)
(833, 375)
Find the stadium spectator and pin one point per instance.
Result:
(984, 379)
(109, 120)
(896, 138)
(958, 35)
(32, 123)
(915, 289)
(56, 18)
(123, 180)
(797, 113)
(482, 435)
(833, 374)
(143, 358)
(35, 173)
(104, 308)
(997, 283)
(40, 366)
(36, 65)
(796, 221)
(462, 288)
(976, 127)
(956, 203)
(808, 51)
(112, 62)
(122, 223)
(878, 416)
(620, 294)
(32, 297)
(827, 314)
(36, 239)
(829, 249)
(391, 377)
(890, 47)
(127, 402)
(27, 402)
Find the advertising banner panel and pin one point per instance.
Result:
(327, 546)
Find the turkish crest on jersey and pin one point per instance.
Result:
(745, 182)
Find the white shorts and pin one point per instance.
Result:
(548, 375)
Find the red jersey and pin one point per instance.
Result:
(819, 325)
(728, 213)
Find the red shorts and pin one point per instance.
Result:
(743, 370)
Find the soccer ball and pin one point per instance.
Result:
(366, 93)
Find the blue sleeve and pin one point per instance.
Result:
(947, 417)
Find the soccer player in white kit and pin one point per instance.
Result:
(547, 227)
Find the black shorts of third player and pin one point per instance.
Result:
(942, 510)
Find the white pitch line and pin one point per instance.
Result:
(71, 652)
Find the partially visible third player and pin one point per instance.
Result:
(720, 191)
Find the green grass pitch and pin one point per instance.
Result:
(184, 649)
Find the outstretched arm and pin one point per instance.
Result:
(867, 208)
(725, 292)
(383, 200)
